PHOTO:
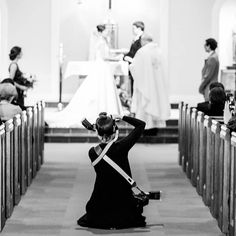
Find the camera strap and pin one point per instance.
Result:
(114, 165)
(99, 158)
(118, 169)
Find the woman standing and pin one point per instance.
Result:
(98, 47)
(16, 75)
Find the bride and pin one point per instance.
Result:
(98, 92)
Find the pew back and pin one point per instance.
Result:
(3, 176)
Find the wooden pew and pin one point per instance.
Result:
(34, 147)
(38, 137)
(42, 131)
(201, 152)
(16, 158)
(23, 153)
(232, 201)
(29, 135)
(194, 147)
(21, 142)
(180, 132)
(215, 132)
(224, 175)
(184, 140)
(189, 142)
(207, 162)
(9, 167)
(3, 176)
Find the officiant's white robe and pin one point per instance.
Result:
(150, 101)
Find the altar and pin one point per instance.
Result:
(82, 68)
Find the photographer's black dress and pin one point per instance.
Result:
(112, 204)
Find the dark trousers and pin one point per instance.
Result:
(131, 84)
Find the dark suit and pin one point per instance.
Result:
(211, 109)
(209, 74)
(135, 46)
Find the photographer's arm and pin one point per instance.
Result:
(135, 134)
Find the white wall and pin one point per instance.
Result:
(29, 27)
(3, 39)
(189, 26)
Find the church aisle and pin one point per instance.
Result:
(58, 195)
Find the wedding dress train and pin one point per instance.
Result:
(96, 94)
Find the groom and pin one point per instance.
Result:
(138, 29)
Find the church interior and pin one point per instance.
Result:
(46, 175)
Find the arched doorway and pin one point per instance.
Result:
(223, 26)
(227, 30)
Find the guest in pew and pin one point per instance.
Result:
(14, 101)
(205, 105)
(217, 98)
(229, 109)
(231, 124)
(22, 84)
(211, 68)
(7, 94)
(112, 204)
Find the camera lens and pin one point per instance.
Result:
(154, 195)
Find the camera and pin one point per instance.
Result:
(88, 125)
(143, 198)
(154, 195)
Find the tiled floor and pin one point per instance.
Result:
(58, 195)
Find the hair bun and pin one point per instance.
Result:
(102, 115)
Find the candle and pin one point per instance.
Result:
(61, 52)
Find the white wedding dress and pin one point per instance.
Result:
(98, 93)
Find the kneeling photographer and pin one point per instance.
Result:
(113, 204)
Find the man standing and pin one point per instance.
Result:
(138, 29)
(211, 68)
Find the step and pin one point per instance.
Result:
(54, 104)
(158, 135)
(122, 130)
(78, 138)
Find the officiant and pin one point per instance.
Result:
(150, 101)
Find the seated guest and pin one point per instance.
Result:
(14, 101)
(216, 84)
(215, 107)
(232, 124)
(7, 94)
(204, 105)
